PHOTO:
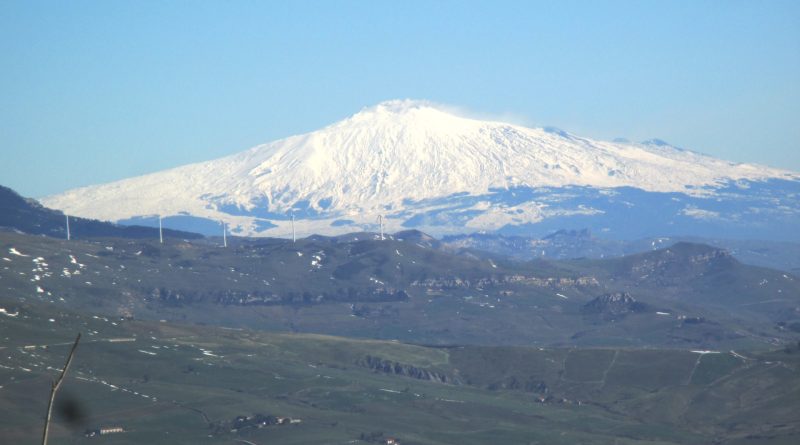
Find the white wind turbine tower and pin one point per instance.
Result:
(224, 234)
(160, 231)
(294, 238)
(67, 216)
(380, 223)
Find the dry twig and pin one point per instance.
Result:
(54, 389)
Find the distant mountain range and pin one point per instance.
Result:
(425, 168)
(26, 215)
(415, 287)
(567, 244)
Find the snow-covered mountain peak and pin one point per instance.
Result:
(401, 155)
(398, 106)
(408, 116)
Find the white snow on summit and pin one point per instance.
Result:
(385, 156)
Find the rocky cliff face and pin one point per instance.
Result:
(481, 283)
(614, 305)
(177, 297)
(378, 364)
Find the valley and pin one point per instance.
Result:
(163, 382)
(355, 339)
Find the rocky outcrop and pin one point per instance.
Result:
(614, 305)
(481, 283)
(378, 364)
(177, 297)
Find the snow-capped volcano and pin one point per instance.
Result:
(417, 164)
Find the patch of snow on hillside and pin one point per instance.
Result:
(14, 251)
(696, 213)
(5, 312)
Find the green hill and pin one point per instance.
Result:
(409, 291)
(178, 383)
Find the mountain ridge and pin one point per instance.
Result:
(26, 215)
(403, 159)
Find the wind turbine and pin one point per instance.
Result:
(294, 238)
(380, 223)
(67, 216)
(160, 231)
(224, 235)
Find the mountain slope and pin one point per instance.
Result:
(28, 216)
(701, 274)
(407, 290)
(418, 165)
(171, 383)
(569, 244)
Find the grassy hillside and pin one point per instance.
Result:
(175, 383)
(411, 291)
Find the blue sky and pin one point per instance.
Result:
(97, 91)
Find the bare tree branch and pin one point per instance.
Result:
(54, 389)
